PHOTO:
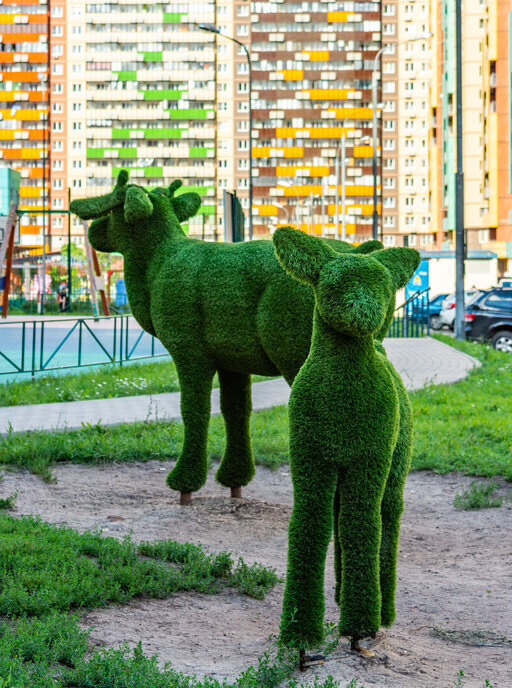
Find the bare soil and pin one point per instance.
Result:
(454, 588)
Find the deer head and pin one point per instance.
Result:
(352, 290)
(118, 217)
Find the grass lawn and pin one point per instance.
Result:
(464, 427)
(49, 573)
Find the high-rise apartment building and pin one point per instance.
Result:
(312, 85)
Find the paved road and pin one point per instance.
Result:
(419, 361)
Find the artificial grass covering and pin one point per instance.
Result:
(350, 441)
(216, 307)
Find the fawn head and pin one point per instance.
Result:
(118, 216)
(352, 290)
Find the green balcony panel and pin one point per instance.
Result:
(206, 210)
(189, 113)
(116, 170)
(197, 152)
(127, 152)
(162, 133)
(162, 95)
(152, 57)
(95, 152)
(122, 133)
(174, 17)
(126, 75)
(201, 190)
(153, 172)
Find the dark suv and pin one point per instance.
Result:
(489, 318)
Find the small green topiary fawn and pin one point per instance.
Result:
(350, 441)
(216, 307)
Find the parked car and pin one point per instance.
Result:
(447, 313)
(420, 313)
(489, 318)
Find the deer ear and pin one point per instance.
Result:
(368, 247)
(186, 205)
(137, 205)
(401, 263)
(300, 255)
(174, 186)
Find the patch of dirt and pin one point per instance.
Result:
(454, 576)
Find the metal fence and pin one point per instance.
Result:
(42, 346)
(412, 318)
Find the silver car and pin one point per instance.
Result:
(447, 313)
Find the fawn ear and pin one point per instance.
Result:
(186, 205)
(300, 255)
(368, 247)
(401, 263)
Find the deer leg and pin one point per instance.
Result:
(309, 533)
(361, 489)
(337, 546)
(191, 469)
(392, 508)
(237, 465)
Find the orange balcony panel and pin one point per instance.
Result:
(24, 115)
(363, 151)
(35, 173)
(20, 76)
(288, 171)
(317, 55)
(329, 93)
(294, 152)
(262, 152)
(286, 132)
(19, 2)
(266, 210)
(352, 113)
(338, 17)
(291, 74)
(21, 153)
(15, 37)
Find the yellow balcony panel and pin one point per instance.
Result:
(21, 115)
(316, 55)
(291, 74)
(266, 210)
(262, 152)
(30, 192)
(363, 151)
(328, 93)
(278, 152)
(338, 17)
(293, 152)
(313, 171)
(352, 113)
(286, 132)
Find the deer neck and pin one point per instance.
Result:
(328, 343)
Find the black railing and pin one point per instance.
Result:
(412, 318)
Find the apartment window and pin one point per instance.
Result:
(389, 68)
(389, 125)
(77, 126)
(57, 164)
(57, 126)
(389, 29)
(223, 163)
(483, 236)
(77, 145)
(57, 107)
(389, 144)
(410, 221)
(77, 88)
(77, 164)
(389, 163)
(57, 51)
(242, 68)
(243, 145)
(389, 182)
(77, 107)
(389, 240)
(77, 30)
(243, 125)
(242, 10)
(57, 69)
(57, 30)
(389, 221)
(242, 30)
(388, 87)
(409, 181)
(389, 11)
(57, 222)
(57, 88)
(389, 202)
(77, 49)
(57, 184)
(242, 88)
(57, 146)
(57, 11)
(57, 203)
(412, 239)
(409, 201)
(425, 240)
(77, 183)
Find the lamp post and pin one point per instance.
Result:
(283, 207)
(214, 29)
(375, 214)
(459, 185)
(42, 78)
(290, 186)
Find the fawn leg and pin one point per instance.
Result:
(392, 508)
(191, 469)
(309, 533)
(361, 489)
(237, 466)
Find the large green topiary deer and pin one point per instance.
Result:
(226, 308)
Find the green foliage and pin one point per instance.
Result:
(103, 383)
(350, 441)
(45, 568)
(225, 308)
(478, 496)
(8, 502)
(467, 426)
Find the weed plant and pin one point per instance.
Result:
(478, 496)
(8, 503)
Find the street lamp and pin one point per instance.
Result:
(290, 186)
(375, 215)
(341, 153)
(42, 78)
(214, 29)
(283, 207)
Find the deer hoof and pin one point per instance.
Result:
(185, 498)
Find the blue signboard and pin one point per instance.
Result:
(419, 281)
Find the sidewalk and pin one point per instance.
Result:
(419, 361)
